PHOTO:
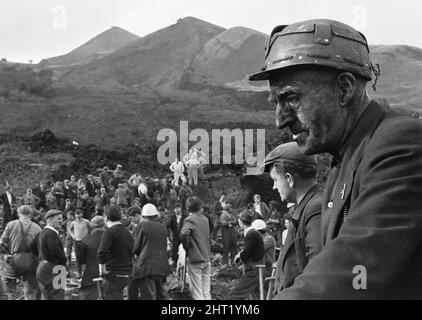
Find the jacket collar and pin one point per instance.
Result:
(367, 121)
(299, 209)
(248, 229)
(51, 228)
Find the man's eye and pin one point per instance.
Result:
(292, 99)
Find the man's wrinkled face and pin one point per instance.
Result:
(56, 221)
(307, 102)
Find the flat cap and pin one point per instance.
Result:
(26, 210)
(288, 153)
(52, 213)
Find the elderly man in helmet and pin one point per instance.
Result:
(318, 71)
(294, 176)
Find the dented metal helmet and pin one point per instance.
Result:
(319, 42)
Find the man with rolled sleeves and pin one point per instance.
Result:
(371, 220)
(51, 254)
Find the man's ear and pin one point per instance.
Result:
(347, 84)
(291, 180)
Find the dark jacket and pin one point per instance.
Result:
(195, 236)
(7, 210)
(265, 212)
(50, 253)
(88, 256)
(40, 194)
(175, 227)
(303, 239)
(376, 184)
(116, 249)
(254, 251)
(69, 194)
(151, 249)
(50, 247)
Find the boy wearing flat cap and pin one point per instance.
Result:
(294, 176)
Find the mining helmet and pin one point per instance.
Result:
(319, 42)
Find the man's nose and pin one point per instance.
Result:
(283, 116)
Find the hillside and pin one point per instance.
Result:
(103, 44)
(192, 70)
(231, 55)
(159, 59)
(401, 75)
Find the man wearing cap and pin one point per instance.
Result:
(195, 237)
(251, 256)
(15, 240)
(318, 71)
(294, 176)
(115, 255)
(228, 233)
(51, 254)
(88, 256)
(151, 265)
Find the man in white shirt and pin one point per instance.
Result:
(178, 168)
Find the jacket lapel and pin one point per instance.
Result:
(340, 183)
(288, 244)
(293, 226)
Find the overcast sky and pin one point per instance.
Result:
(37, 29)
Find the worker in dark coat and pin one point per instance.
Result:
(88, 257)
(52, 258)
(228, 222)
(176, 224)
(115, 256)
(371, 211)
(151, 266)
(252, 255)
(294, 176)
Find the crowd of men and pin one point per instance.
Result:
(126, 229)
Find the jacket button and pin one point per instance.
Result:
(330, 204)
